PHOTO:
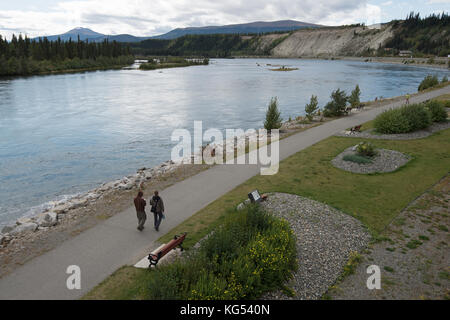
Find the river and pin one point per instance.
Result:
(65, 134)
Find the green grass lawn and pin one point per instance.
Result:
(375, 199)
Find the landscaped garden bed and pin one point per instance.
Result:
(355, 160)
(326, 239)
(251, 253)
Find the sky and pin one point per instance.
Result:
(148, 18)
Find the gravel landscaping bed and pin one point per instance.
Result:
(368, 134)
(384, 161)
(413, 254)
(325, 239)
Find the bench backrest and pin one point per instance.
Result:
(171, 245)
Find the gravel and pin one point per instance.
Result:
(384, 161)
(368, 134)
(325, 239)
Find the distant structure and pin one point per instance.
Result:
(405, 53)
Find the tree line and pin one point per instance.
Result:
(429, 35)
(22, 56)
(206, 45)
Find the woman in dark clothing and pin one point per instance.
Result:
(157, 208)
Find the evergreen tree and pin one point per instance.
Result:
(336, 106)
(311, 107)
(273, 116)
(354, 97)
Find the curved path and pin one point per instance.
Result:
(104, 248)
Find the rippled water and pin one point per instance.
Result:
(64, 134)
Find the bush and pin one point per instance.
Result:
(437, 110)
(336, 106)
(418, 116)
(405, 119)
(365, 149)
(251, 253)
(273, 116)
(357, 159)
(429, 82)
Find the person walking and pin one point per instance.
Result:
(140, 204)
(407, 98)
(157, 208)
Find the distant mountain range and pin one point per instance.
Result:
(254, 27)
(92, 36)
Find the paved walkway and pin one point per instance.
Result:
(104, 248)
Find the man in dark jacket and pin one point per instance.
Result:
(157, 208)
(140, 204)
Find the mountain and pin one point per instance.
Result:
(254, 27)
(90, 35)
(73, 34)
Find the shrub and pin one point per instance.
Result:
(311, 107)
(365, 149)
(405, 119)
(418, 116)
(251, 253)
(273, 116)
(429, 82)
(444, 79)
(391, 121)
(437, 110)
(356, 158)
(336, 106)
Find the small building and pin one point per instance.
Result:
(405, 53)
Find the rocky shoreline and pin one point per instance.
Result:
(54, 210)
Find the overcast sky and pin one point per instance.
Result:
(147, 18)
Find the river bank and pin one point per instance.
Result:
(439, 62)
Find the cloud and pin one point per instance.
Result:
(438, 1)
(142, 18)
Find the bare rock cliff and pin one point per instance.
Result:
(345, 41)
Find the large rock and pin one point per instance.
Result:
(77, 203)
(23, 220)
(61, 209)
(26, 227)
(8, 229)
(47, 219)
(108, 186)
(2, 238)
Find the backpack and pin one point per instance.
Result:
(153, 209)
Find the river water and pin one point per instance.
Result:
(65, 134)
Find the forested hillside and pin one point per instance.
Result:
(430, 35)
(215, 45)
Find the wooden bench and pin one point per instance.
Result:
(177, 241)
